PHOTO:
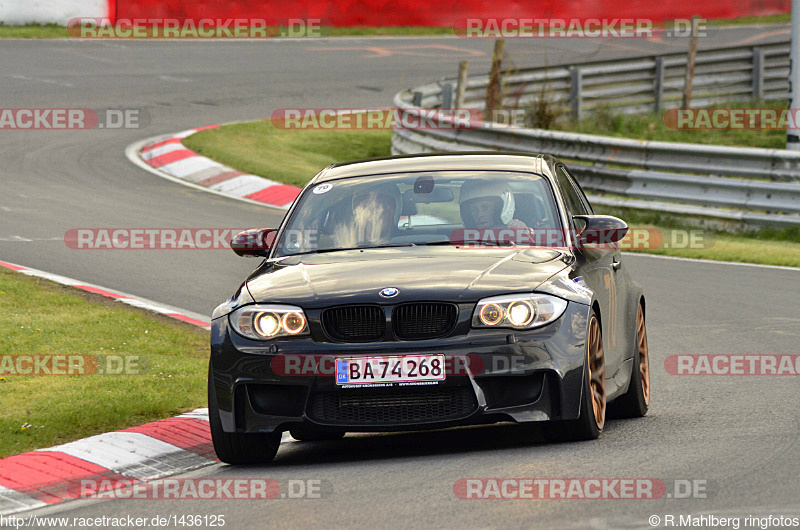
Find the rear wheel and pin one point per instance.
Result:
(592, 417)
(635, 402)
(237, 447)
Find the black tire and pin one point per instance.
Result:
(305, 434)
(587, 426)
(235, 447)
(635, 402)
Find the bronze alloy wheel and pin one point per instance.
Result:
(597, 372)
(644, 361)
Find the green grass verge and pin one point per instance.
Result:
(728, 247)
(38, 317)
(781, 18)
(289, 156)
(294, 156)
(653, 127)
(33, 31)
(770, 246)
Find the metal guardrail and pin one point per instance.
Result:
(749, 187)
(647, 84)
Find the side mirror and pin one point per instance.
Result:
(256, 242)
(600, 229)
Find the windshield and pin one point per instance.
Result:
(415, 209)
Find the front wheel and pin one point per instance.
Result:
(236, 447)
(592, 417)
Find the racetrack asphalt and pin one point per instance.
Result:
(737, 433)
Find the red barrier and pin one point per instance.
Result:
(438, 12)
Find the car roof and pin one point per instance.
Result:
(477, 161)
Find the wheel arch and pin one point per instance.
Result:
(596, 311)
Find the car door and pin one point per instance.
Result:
(598, 265)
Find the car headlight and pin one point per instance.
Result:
(524, 311)
(264, 322)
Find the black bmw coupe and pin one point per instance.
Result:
(429, 291)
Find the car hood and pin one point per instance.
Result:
(420, 273)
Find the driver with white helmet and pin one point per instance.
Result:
(487, 204)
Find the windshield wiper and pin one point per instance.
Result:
(478, 242)
(345, 249)
(399, 245)
(432, 243)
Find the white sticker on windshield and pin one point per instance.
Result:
(322, 188)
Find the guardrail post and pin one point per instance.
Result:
(494, 96)
(758, 73)
(690, 60)
(658, 84)
(462, 83)
(417, 99)
(447, 96)
(575, 88)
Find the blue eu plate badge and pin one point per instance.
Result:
(341, 371)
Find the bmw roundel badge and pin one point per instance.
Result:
(389, 292)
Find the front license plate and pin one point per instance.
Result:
(390, 369)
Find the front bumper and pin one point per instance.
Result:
(495, 375)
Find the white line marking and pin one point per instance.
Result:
(164, 149)
(125, 298)
(47, 81)
(243, 185)
(176, 79)
(12, 501)
(196, 414)
(29, 240)
(182, 134)
(131, 454)
(187, 166)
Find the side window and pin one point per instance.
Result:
(573, 202)
(581, 194)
